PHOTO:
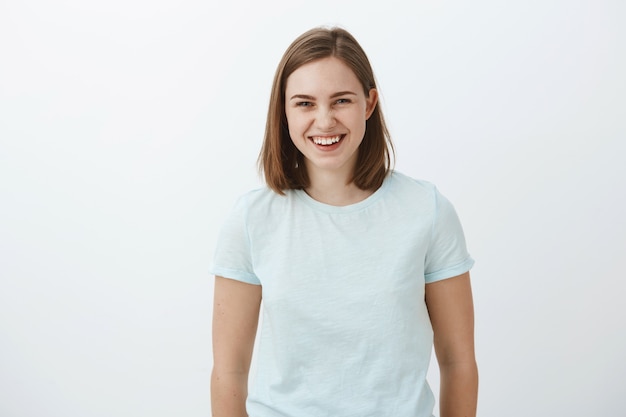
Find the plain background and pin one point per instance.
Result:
(128, 128)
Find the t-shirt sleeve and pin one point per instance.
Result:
(447, 254)
(232, 258)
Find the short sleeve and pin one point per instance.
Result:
(447, 254)
(232, 258)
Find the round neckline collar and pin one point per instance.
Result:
(329, 208)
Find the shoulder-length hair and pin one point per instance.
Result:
(279, 160)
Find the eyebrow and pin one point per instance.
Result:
(337, 94)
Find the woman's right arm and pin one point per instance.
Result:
(235, 317)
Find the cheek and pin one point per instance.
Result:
(292, 134)
(295, 124)
(358, 121)
(292, 129)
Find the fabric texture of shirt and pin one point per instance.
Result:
(345, 331)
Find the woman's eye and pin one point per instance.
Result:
(343, 101)
(304, 104)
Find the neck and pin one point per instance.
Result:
(334, 189)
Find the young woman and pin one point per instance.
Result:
(360, 268)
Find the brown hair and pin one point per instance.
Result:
(280, 161)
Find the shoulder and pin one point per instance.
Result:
(260, 201)
(261, 195)
(256, 196)
(412, 189)
(422, 194)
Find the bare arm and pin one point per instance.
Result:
(451, 311)
(235, 318)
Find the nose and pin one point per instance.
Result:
(325, 119)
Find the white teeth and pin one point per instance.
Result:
(326, 140)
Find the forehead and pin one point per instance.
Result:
(326, 75)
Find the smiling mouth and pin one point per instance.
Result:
(326, 140)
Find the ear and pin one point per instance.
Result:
(370, 102)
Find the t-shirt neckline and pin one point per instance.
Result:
(350, 208)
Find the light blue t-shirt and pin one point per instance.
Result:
(345, 329)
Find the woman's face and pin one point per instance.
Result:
(327, 111)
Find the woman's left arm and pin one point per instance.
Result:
(451, 311)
